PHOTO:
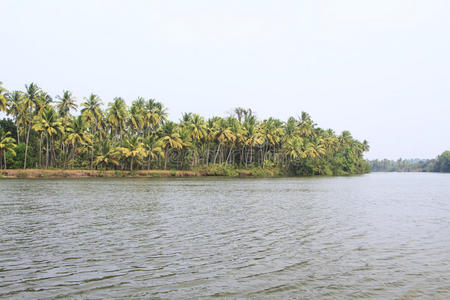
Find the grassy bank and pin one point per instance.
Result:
(216, 170)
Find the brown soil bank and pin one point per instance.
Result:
(58, 173)
(41, 173)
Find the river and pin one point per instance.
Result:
(381, 235)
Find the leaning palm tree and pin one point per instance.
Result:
(7, 144)
(224, 136)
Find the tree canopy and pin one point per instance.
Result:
(43, 133)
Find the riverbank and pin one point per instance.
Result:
(60, 173)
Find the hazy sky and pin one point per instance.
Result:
(380, 68)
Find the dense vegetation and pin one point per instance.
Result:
(439, 164)
(43, 133)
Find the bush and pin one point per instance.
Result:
(218, 170)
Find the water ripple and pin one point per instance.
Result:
(372, 236)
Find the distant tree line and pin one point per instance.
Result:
(439, 164)
(43, 132)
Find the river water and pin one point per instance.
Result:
(381, 235)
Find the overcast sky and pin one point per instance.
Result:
(380, 69)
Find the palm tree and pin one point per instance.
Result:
(127, 136)
(92, 112)
(16, 109)
(137, 116)
(293, 149)
(133, 148)
(77, 134)
(110, 156)
(224, 135)
(271, 132)
(51, 125)
(170, 139)
(7, 144)
(153, 149)
(3, 99)
(93, 116)
(155, 115)
(197, 132)
(252, 139)
(29, 104)
(117, 116)
(66, 102)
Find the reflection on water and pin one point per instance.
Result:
(373, 236)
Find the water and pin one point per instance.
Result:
(380, 236)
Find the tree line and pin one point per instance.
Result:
(439, 164)
(46, 132)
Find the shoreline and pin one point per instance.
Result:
(61, 173)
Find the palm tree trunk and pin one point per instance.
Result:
(4, 157)
(207, 154)
(18, 133)
(46, 155)
(92, 156)
(73, 153)
(165, 160)
(40, 150)
(229, 153)
(217, 153)
(26, 146)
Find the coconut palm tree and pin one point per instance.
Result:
(77, 134)
(224, 136)
(3, 99)
(137, 116)
(133, 148)
(153, 149)
(7, 144)
(66, 102)
(170, 139)
(113, 138)
(92, 112)
(292, 149)
(110, 157)
(50, 123)
(29, 103)
(16, 109)
(197, 133)
(117, 116)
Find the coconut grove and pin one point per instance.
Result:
(67, 132)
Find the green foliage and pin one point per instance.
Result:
(442, 163)
(16, 162)
(439, 164)
(139, 137)
(264, 172)
(218, 170)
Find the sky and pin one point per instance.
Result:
(380, 69)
